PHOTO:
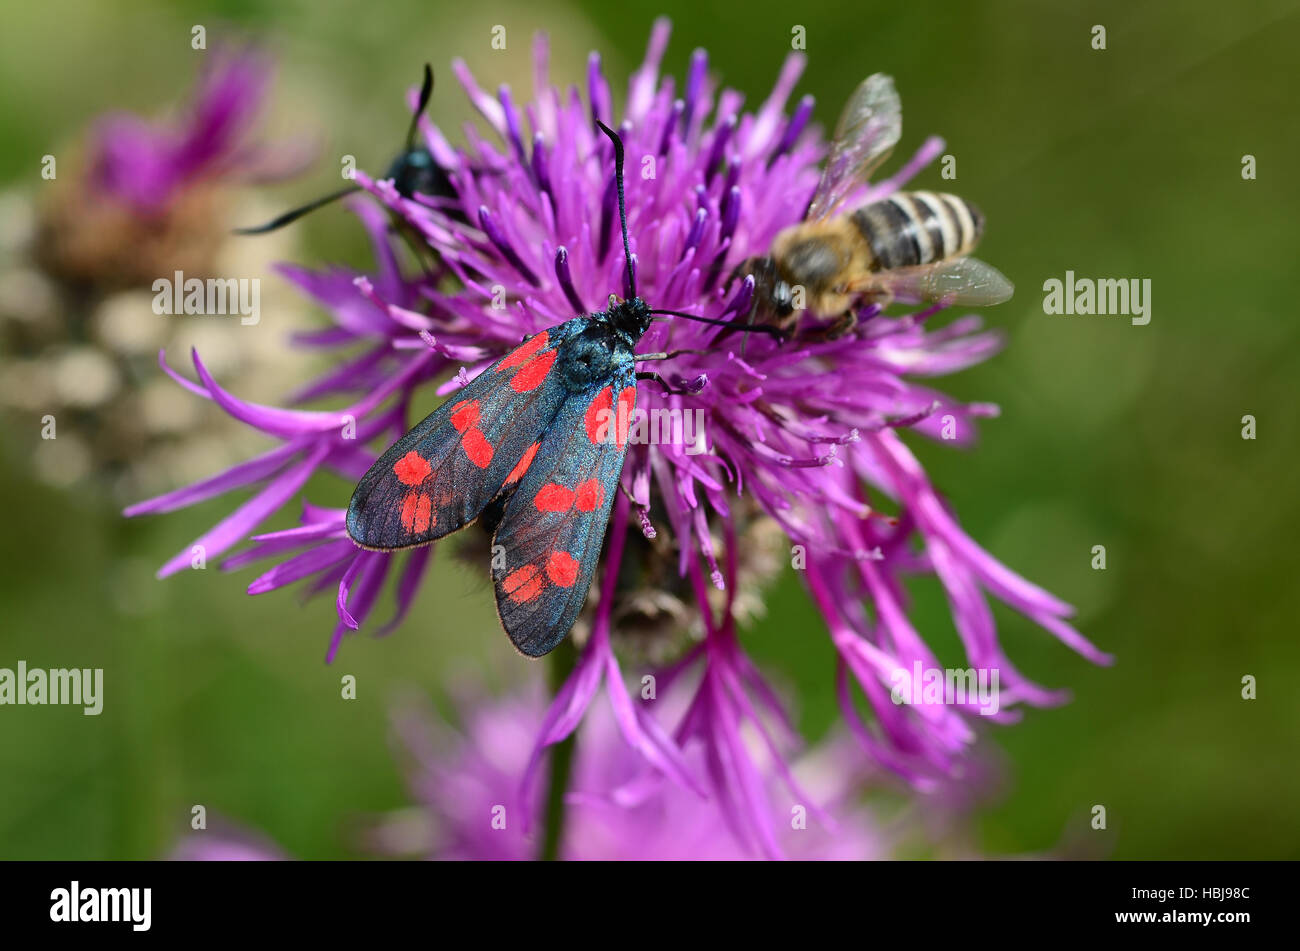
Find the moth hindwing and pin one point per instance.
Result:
(553, 525)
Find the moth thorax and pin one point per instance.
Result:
(415, 171)
(586, 359)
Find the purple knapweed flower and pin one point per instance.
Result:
(805, 432)
(223, 841)
(145, 162)
(151, 196)
(464, 782)
(467, 780)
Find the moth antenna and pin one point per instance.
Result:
(754, 328)
(622, 206)
(291, 216)
(426, 90)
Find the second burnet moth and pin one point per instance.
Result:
(413, 171)
(534, 444)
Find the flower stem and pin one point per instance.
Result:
(562, 661)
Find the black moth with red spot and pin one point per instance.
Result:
(539, 438)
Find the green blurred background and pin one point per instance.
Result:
(1117, 163)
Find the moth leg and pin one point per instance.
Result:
(403, 232)
(668, 356)
(689, 389)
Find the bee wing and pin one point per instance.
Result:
(965, 281)
(869, 127)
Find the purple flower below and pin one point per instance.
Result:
(617, 807)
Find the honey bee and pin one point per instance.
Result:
(912, 246)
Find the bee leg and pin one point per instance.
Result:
(875, 301)
(879, 298)
(837, 328)
(844, 324)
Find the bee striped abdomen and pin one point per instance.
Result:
(913, 228)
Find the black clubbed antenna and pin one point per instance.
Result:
(751, 328)
(627, 250)
(295, 214)
(622, 207)
(426, 91)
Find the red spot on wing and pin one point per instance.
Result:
(518, 577)
(532, 373)
(626, 403)
(562, 569)
(522, 584)
(522, 465)
(523, 352)
(589, 495)
(598, 416)
(412, 469)
(528, 591)
(553, 498)
(464, 414)
(417, 513)
(477, 448)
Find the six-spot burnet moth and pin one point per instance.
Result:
(535, 444)
(413, 170)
